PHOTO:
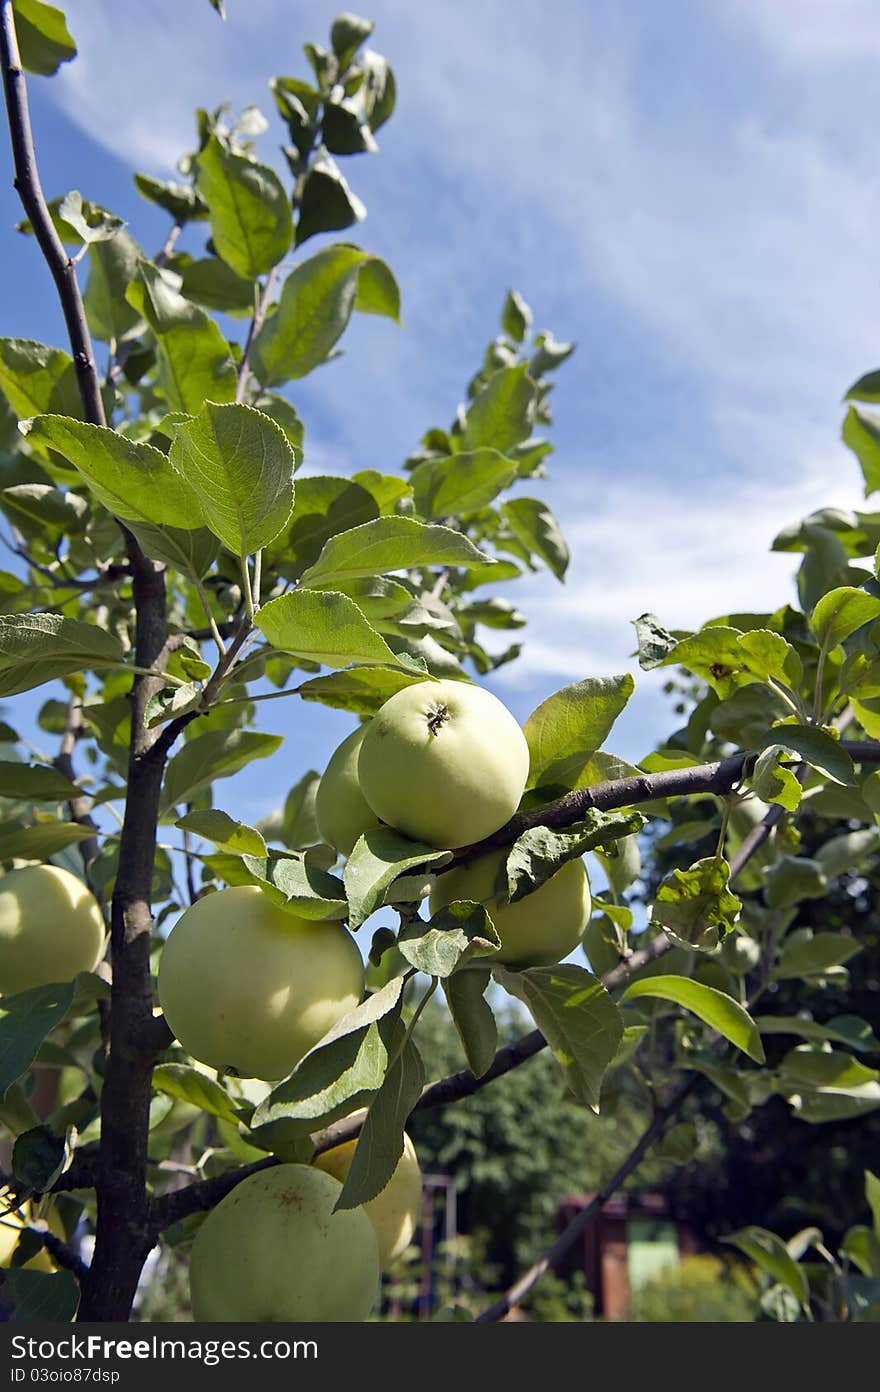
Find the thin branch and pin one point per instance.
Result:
(261, 306)
(61, 1254)
(164, 256)
(79, 806)
(27, 184)
(569, 1235)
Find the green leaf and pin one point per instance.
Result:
(516, 317)
(549, 355)
(227, 834)
(42, 1297)
(500, 415)
(534, 525)
(453, 936)
(473, 1017)
(342, 1071)
(39, 841)
(654, 642)
(378, 858)
(460, 483)
(680, 1144)
(216, 754)
(814, 954)
(343, 130)
(578, 1019)
(723, 1014)
(48, 507)
(133, 481)
(815, 1066)
(191, 552)
(861, 432)
(251, 217)
(98, 226)
(240, 465)
(212, 284)
(189, 1085)
(288, 879)
(113, 266)
(325, 506)
(792, 879)
(347, 33)
(182, 201)
(770, 1253)
(840, 612)
(38, 1157)
(827, 1104)
(315, 305)
(36, 648)
(867, 388)
(872, 1194)
(537, 854)
(326, 203)
(769, 655)
(773, 782)
(389, 544)
(571, 723)
(34, 378)
(695, 907)
(576, 1016)
(377, 290)
(35, 783)
(25, 1021)
(323, 627)
(379, 88)
(44, 40)
(847, 851)
(842, 1029)
(814, 747)
(195, 364)
(363, 690)
(380, 1144)
(862, 1248)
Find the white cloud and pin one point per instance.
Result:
(728, 238)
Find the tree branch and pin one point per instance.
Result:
(170, 1208)
(122, 1237)
(260, 310)
(719, 777)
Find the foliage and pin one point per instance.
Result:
(699, 1288)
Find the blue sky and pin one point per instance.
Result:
(687, 190)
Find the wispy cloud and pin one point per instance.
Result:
(695, 202)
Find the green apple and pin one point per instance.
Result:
(250, 986)
(535, 931)
(51, 927)
(444, 762)
(273, 1251)
(341, 810)
(394, 1212)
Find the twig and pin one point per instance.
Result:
(27, 184)
(79, 806)
(261, 306)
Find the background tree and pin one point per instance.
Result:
(175, 572)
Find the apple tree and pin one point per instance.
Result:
(231, 1057)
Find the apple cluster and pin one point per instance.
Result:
(249, 986)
